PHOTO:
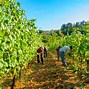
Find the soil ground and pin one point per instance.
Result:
(51, 75)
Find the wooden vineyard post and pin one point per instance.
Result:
(13, 82)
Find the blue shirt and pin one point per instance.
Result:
(65, 49)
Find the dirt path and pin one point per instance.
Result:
(51, 75)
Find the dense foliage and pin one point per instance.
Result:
(18, 38)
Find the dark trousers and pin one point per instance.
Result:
(58, 55)
(40, 56)
(45, 54)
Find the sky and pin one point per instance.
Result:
(51, 14)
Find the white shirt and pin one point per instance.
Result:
(65, 49)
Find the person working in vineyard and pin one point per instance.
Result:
(41, 54)
(57, 50)
(45, 52)
(63, 51)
